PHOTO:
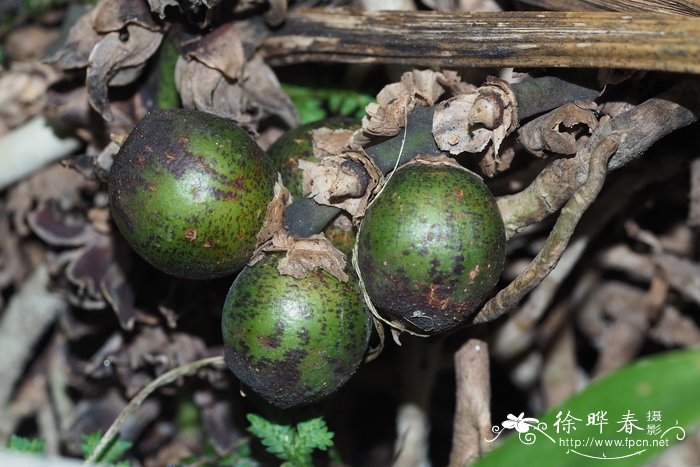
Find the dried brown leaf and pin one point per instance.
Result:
(23, 93)
(222, 50)
(75, 51)
(263, 88)
(277, 12)
(491, 115)
(319, 179)
(328, 142)
(451, 129)
(558, 131)
(29, 43)
(218, 422)
(315, 252)
(56, 229)
(274, 216)
(206, 89)
(110, 16)
(159, 6)
(87, 269)
(52, 183)
(196, 84)
(453, 84)
(114, 54)
(118, 292)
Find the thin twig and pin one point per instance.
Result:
(164, 379)
(557, 241)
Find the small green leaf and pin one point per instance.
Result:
(111, 455)
(314, 433)
(22, 444)
(295, 445)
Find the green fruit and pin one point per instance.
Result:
(431, 246)
(297, 144)
(189, 191)
(293, 341)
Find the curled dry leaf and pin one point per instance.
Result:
(75, 51)
(159, 6)
(222, 50)
(55, 183)
(491, 165)
(315, 252)
(327, 142)
(319, 179)
(221, 75)
(23, 93)
(276, 13)
(29, 43)
(113, 40)
(395, 101)
(274, 216)
(559, 131)
(118, 53)
(263, 88)
(452, 130)
(110, 16)
(47, 223)
(92, 269)
(303, 255)
(491, 115)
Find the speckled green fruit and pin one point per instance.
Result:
(189, 190)
(297, 144)
(431, 246)
(293, 341)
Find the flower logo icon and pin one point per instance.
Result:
(520, 423)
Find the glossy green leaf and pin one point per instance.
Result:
(650, 405)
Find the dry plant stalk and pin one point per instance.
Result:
(637, 129)
(472, 422)
(163, 380)
(487, 39)
(677, 7)
(559, 238)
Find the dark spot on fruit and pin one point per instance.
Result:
(269, 341)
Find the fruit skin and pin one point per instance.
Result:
(189, 190)
(293, 341)
(297, 144)
(431, 246)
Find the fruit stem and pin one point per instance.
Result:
(533, 96)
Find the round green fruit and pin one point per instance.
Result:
(189, 190)
(293, 341)
(431, 246)
(296, 145)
